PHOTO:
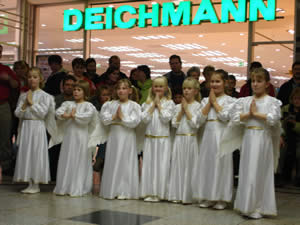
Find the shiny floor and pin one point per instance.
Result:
(47, 208)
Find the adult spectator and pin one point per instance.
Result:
(230, 88)
(194, 72)
(113, 62)
(287, 88)
(8, 81)
(110, 78)
(246, 89)
(134, 77)
(91, 68)
(205, 85)
(53, 83)
(175, 77)
(67, 94)
(145, 82)
(78, 66)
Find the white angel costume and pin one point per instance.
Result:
(259, 155)
(74, 172)
(32, 160)
(120, 174)
(157, 150)
(213, 176)
(184, 154)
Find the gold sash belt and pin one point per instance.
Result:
(190, 134)
(254, 128)
(213, 120)
(151, 136)
(116, 123)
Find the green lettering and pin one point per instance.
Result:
(144, 15)
(268, 12)
(239, 14)
(119, 16)
(90, 18)
(68, 18)
(205, 11)
(183, 13)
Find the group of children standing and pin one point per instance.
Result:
(193, 163)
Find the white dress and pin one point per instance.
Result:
(74, 172)
(184, 154)
(213, 176)
(32, 160)
(255, 191)
(120, 173)
(157, 150)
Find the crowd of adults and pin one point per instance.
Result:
(60, 84)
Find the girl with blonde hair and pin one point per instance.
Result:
(157, 113)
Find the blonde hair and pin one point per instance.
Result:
(159, 80)
(261, 73)
(134, 96)
(39, 72)
(85, 86)
(193, 83)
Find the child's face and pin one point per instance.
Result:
(104, 96)
(21, 71)
(34, 80)
(78, 94)
(296, 101)
(123, 91)
(177, 99)
(114, 76)
(78, 70)
(195, 75)
(217, 84)
(189, 93)
(159, 89)
(259, 85)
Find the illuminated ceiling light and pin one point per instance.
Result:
(191, 65)
(43, 25)
(184, 46)
(258, 57)
(160, 60)
(201, 35)
(80, 40)
(223, 44)
(277, 50)
(291, 56)
(111, 6)
(280, 10)
(153, 3)
(291, 31)
(98, 56)
(156, 74)
(121, 49)
(242, 34)
(146, 55)
(96, 39)
(153, 37)
(210, 53)
(71, 8)
(283, 66)
(127, 62)
(242, 50)
(130, 65)
(160, 71)
(40, 43)
(271, 61)
(271, 69)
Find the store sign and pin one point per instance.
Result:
(166, 14)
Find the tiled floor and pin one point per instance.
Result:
(47, 208)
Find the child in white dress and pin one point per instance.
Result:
(185, 148)
(77, 119)
(36, 111)
(260, 116)
(157, 113)
(120, 174)
(213, 176)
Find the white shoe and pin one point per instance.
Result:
(151, 199)
(148, 199)
(206, 204)
(121, 197)
(255, 215)
(34, 189)
(220, 205)
(26, 190)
